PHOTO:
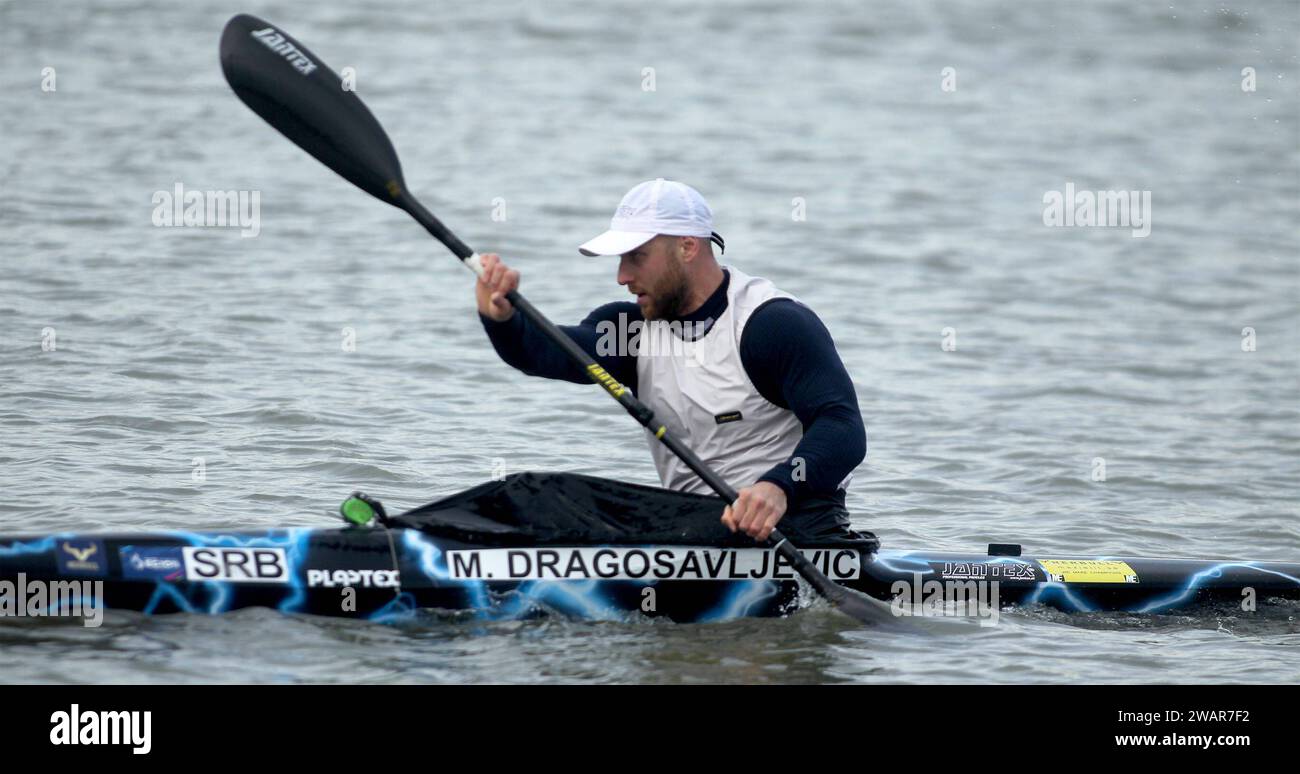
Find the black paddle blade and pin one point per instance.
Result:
(862, 608)
(302, 97)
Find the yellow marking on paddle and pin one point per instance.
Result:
(1088, 571)
(605, 380)
(660, 432)
(394, 188)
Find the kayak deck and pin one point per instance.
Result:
(381, 573)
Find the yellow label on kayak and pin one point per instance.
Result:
(1088, 571)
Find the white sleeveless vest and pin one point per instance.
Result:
(700, 391)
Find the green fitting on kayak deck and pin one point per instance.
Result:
(357, 511)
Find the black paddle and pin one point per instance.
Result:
(300, 96)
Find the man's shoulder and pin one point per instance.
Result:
(614, 309)
(783, 331)
(783, 316)
(616, 312)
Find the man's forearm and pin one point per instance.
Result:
(525, 347)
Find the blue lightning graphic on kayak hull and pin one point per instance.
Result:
(427, 579)
(221, 593)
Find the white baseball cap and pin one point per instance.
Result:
(652, 208)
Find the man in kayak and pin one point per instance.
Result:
(741, 372)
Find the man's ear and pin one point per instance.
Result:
(689, 247)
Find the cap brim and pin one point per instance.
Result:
(615, 242)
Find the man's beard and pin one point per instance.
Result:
(669, 300)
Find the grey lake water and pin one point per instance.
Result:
(1002, 366)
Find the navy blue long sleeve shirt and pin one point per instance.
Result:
(786, 351)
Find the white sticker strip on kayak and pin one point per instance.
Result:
(635, 564)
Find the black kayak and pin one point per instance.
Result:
(584, 547)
